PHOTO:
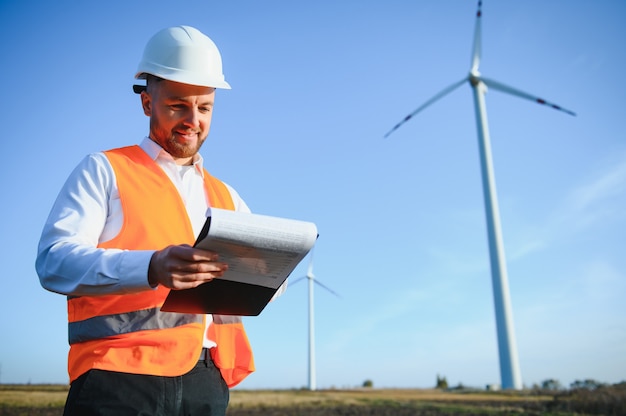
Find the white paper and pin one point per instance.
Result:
(259, 249)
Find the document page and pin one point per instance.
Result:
(260, 250)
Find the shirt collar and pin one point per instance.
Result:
(155, 151)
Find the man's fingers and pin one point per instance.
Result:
(182, 267)
(188, 253)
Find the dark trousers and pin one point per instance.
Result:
(202, 391)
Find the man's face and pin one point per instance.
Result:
(180, 117)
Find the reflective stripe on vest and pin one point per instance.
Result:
(128, 332)
(124, 323)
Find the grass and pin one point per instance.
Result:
(45, 400)
(369, 396)
(39, 396)
(33, 395)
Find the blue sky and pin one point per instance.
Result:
(316, 85)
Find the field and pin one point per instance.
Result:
(47, 400)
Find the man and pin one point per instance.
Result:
(119, 238)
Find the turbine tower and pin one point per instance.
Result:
(509, 364)
(311, 280)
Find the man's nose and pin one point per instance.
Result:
(192, 117)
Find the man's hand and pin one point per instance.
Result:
(184, 267)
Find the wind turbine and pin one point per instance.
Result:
(507, 347)
(311, 279)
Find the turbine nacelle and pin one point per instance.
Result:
(474, 78)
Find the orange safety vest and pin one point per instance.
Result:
(129, 333)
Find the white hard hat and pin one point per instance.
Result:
(182, 54)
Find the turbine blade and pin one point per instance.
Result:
(426, 104)
(477, 49)
(291, 283)
(326, 287)
(513, 91)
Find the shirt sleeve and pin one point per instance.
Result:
(68, 259)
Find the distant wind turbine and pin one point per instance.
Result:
(509, 363)
(311, 278)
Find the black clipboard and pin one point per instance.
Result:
(222, 296)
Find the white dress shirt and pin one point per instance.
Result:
(88, 212)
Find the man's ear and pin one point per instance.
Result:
(146, 103)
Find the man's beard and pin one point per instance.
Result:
(168, 140)
(178, 150)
